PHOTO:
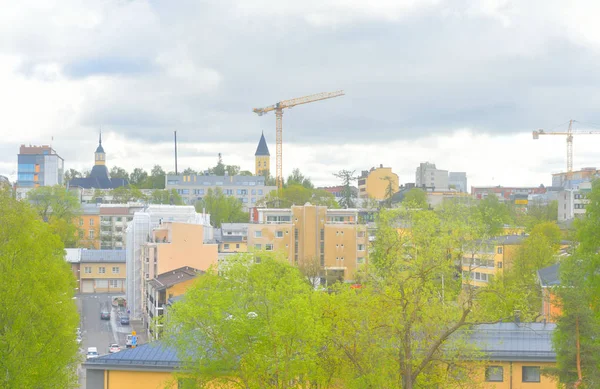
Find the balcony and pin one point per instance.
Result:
(105, 223)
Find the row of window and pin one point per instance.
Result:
(91, 234)
(268, 247)
(579, 196)
(101, 270)
(477, 276)
(579, 206)
(477, 262)
(528, 374)
(218, 183)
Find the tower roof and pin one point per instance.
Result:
(100, 149)
(262, 149)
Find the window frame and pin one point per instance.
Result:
(117, 268)
(258, 234)
(539, 374)
(101, 270)
(498, 368)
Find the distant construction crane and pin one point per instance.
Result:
(278, 108)
(569, 133)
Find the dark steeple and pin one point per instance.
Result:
(262, 149)
(100, 149)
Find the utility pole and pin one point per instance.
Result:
(175, 132)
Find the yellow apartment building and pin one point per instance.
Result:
(162, 288)
(174, 246)
(489, 258)
(88, 227)
(511, 356)
(374, 183)
(331, 237)
(233, 238)
(98, 271)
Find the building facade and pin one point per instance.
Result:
(573, 179)
(38, 166)
(504, 193)
(308, 234)
(375, 183)
(88, 227)
(262, 158)
(428, 176)
(247, 189)
(458, 181)
(98, 271)
(114, 219)
(572, 202)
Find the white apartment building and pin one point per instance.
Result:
(572, 202)
(429, 176)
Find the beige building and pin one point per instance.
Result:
(309, 234)
(374, 183)
(98, 271)
(174, 246)
(481, 265)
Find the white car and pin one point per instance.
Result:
(114, 348)
(92, 352)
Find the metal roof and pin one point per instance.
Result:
(548, 276)
(514, 341)
(103, 255)
(262, 149)
(155, 355)
(174, 277)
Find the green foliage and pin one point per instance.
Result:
(222, 208)
(165, 196)
(389, 191)
(298, 195)
(348, 195)
(245, 173)
(38, 315)
(58, 207)
(138, 177)
(415, 198)
(495, 214)
(118, 172)
(537, 213)
(70, 174)
(297, 178)
(257, 324)
(189, 172)
(124, 194)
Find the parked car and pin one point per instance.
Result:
(105, 314)
(114, 348)
(124, 319)
(92, 352)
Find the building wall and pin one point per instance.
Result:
(458, 180)
(551, 308)
(102, 280)
(85, 224)
(374, 184)
(116, 379)
(233, 247)
(429, 176)
(179, 289)
(262, 163)
(513, 376)
(498, 260)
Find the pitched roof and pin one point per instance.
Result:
(514, 341)
(262, 148)
(103, 255)
(173, 277)
(548, 276)
(155, 356)
(98, 179)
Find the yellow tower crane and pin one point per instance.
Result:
(278, 108)
(569, 133)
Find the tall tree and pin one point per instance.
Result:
(232, 170)
(121, 195)
(157, 177)
(495, 213)
(119, 172)
(298, 195)
(297, 178)
(262, 321)
(138, 177)
(415, 198)
(222, 208)
(59, 208)
(348, 195)
(390, 186)
(189, 171)
(38, 314)
(164, 196)
(219, 169)
(70, 174)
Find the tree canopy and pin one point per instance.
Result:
(222, 208)
(38, 313)
(415, 198)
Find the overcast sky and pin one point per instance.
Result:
(459, 83)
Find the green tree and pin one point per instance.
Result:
(121, 195)
(157, 177)
(164, 196)
(348, 195)
(70, 174)
(232, 170)
(298, 195)
(495, 214)
(38, 313)
(297, 178)
(189, 172)
(262, 322)
(119, 172)
(138, 177)
(219, 169)
(389, 190)
(59, 208)
(245, 173)
(222, 208)
(415, 198)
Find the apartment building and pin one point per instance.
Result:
(114, 219)
(572, 202)
(570, 180)
(331, 237)
(140, 231)
(172, 246)
(98, 271)
(38, 166)
(247, 189)
(233, 238)
(506, 193)
(488, 259)
(374, 183)
(88, 227)
(160, 289)
(428, 176)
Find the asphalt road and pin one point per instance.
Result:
(95, 331)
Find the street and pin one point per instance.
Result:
(95, 331)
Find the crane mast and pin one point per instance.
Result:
(278, 108)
